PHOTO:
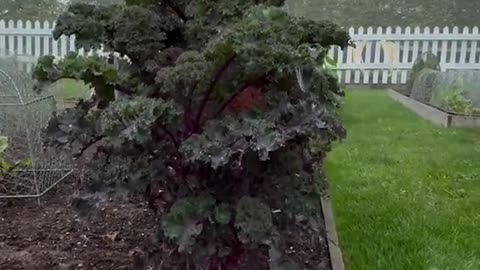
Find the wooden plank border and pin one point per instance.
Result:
(435, 115)
(336, 258)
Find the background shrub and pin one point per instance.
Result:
(425, 61)
(424, 85)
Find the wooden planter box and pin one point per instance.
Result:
(336, 258)
(435, 115)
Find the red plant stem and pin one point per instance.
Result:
(210, 89)
(79, 154)
(187, 117)
(262, 80)
(171, 136)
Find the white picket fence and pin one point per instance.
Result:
(29, 40)
(382, 55)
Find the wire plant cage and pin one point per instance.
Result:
(23, 115)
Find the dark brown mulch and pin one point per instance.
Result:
(53, 236)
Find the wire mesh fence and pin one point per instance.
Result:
(23, 115)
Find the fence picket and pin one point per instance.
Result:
(340, 60)
(473, 48)
(425, 43)
(368, 56)
(28, 45)
(436, 32)
(406, 55)
(3, 41)
(396, 60)
(453, 50)
(37, 39)
(359, 60)
(416, 45)
(376, 58)
(46, 39)
(19, 38)
(348, 72)
(444, 50)
(11, 42)
(63, 46)
(463, 49)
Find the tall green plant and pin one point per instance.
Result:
(219, 102)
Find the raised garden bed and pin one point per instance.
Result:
(436, 115)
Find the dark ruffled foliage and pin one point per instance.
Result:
(223, 117)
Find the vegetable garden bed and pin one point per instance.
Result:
(56, 236)
(436, 115)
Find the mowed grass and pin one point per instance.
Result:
(68, 92)
(406, 193)
(66, 89)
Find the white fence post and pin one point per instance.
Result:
(37, 26)
(376, 57)
(28, 44)
(406, 55)
(54, 45)
(425, 43)
(396, 60)
(11, 41)
(473, 48)
(368, 56)
(348, 73)
(358, 60)
(3, 40)
(436, 32)
(444, 50)
(453, 50)
(415, 45)
(340, 60)
(46, 39)
(463, 50)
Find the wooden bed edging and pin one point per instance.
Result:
(435, 115)
(336, 259)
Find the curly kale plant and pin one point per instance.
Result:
(220, 111)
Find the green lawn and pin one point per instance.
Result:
(67, 92)
(406, 194)
(69, 89)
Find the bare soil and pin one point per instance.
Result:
(54, 236)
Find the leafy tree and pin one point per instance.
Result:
(390, 12)
(30, 9)
(225, 112)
